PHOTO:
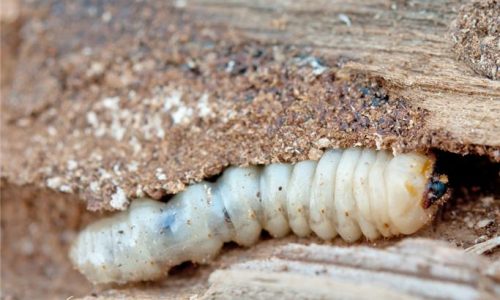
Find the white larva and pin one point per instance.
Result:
(351, 192)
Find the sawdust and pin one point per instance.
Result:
(476, 36)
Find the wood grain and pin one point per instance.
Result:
(404, 42)
(412, 269)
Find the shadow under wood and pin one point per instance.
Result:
(470, 173)
(472, 214)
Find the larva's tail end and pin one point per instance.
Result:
(437, 191)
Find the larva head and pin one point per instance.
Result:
(413, 191)
(437, 191)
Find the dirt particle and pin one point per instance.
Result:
(484, 223)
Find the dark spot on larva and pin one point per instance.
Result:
(258, 196)
(346, 214)
(227, 218)
(386, 225)
(120, 231)
(322, 210)
(167, 223)
(280, 188)
(319, 272)
(188, 222)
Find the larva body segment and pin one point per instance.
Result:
(378, 195)
(345, 204)
(411, 171)
(298, 196)
(349, 192)
(274, 184)
(362, 195)
(323, 219)
(239, 188)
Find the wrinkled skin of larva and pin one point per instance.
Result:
(351, 193)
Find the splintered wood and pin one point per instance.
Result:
(413, 269)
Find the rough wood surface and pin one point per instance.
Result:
(404, 42)
(476, 37)
(112, 101)
(412, 269)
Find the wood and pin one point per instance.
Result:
(405, 43)
(485, 246)
(231, 284)
(413, 269)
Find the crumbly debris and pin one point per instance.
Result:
(476, 36)
(119, 200)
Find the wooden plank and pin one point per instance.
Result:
(414, 268)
